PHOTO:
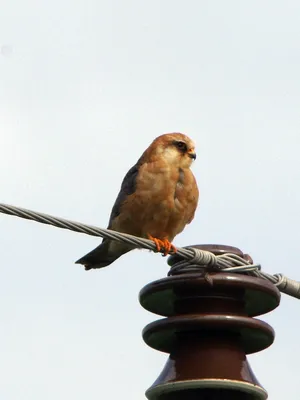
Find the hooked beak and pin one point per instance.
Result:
(192, 155)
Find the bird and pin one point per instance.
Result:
(158, 198)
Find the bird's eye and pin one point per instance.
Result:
(181, 146)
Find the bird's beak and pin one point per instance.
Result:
(192, 155)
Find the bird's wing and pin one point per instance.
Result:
(193, 199)
(108, 251)
(127, 188)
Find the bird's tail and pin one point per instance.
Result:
(103, 255)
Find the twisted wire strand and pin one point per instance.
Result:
(195, 260)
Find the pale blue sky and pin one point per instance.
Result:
(85, 86)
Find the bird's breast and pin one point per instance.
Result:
(161, 203)
(163, 186)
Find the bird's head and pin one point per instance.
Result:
(175, 148)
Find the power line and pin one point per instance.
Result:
(194, 260)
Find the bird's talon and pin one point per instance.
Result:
(168, 247)
(173, 248)
(157, 242)
(164, 245)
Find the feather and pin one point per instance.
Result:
(157, 198)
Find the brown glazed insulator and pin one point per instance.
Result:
(208, 330)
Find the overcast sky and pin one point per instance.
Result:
(85, 86)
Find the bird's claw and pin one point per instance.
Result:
(168, 247)
(164, 244)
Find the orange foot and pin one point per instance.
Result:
(165, 244)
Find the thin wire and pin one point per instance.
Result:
(195, 260)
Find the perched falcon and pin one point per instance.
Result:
(158, 197)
